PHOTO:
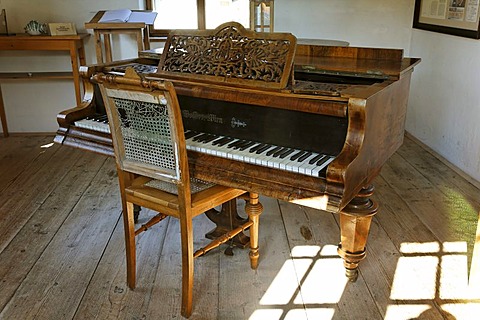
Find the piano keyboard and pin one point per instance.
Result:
(271, 156)
(97, 123)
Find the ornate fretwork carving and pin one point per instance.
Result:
(230, 54)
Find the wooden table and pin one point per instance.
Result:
(73, 44)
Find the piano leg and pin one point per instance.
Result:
(355, 221)
(227, 219)
(254, 209)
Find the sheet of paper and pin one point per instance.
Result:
(145, 17)
(120, 15)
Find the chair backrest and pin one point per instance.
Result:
(147, 129)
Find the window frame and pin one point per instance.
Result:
(164, 32)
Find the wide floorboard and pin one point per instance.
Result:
(62, 250)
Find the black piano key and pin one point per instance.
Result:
(255, 148)
(286, 153)
(241, 144)
(210, 138)
(101, 118)
(200, 137)
(246, 145)
(222, 141)
(235, 144)
(297, 155)
(316, 158)
(272, 151)
(322, 161)
(279, 152)
(304, 157)
(207, 138)
(264, 148)
(189, 134)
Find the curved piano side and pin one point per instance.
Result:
(376, 131)
(68, 134)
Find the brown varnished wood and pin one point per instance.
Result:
(374, 109)
(78, 222)
(229, 54)
(158, 98)
(388, 63)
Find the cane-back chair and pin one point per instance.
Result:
(152, 165)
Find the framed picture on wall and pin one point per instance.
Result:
(455, 17)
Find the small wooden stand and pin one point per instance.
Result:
(139, 29)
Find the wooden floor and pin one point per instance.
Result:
(62, 250)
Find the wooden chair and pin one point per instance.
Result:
(153, 170)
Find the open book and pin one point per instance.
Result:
(126, 15)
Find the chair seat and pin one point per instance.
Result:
(196, 185)
(207, 195)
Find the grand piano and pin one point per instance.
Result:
(307, 124)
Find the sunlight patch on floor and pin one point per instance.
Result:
(415, 278)
(403, 312)
(311, 284)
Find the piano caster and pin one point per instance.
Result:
(226, 220)
(355, 220)
(350, 262)
(352, 274)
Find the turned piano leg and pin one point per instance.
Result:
(254, 209)
(355, 220)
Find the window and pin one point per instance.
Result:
(197, 14)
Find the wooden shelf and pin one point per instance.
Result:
(35, 75)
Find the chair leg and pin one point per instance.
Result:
(186, 233)
(254, 209)
(129, 229)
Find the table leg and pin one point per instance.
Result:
(3, 116)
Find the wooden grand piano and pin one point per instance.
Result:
(301, 123)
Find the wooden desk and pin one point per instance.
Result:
(73, 44)
(140, 30)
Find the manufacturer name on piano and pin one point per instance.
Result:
(208, 117)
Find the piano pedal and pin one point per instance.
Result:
(229, 250)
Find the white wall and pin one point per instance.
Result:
(364, 23)
(32, 106)
(444, 108)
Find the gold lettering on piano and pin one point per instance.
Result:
(209, 117)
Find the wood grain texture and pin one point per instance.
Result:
(67, 260)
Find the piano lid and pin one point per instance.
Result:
(375, 63)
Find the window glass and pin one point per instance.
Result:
(220, 11)
(176, 14)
